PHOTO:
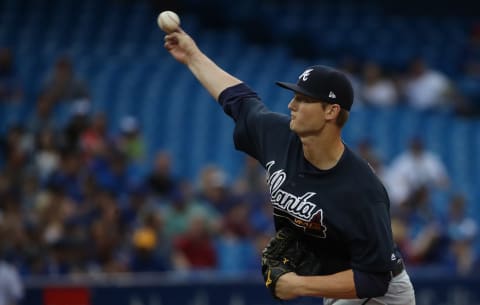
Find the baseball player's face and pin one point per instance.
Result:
(307, 115)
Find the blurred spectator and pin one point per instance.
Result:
(182, 207)
(236, 254)
(65, 258)
(75, 242)
(462, 232)
(412, 170)
(10, 87)
(195, 249)
(29, 189)
(12, 234)
(47, 155)
(69, 175)
(161, 179)
(214, 189)
(94, 139)
(400, 232)
(377, 90)
(151, 251)
(425, 240)
(42, 118)
(144, 258)
(251, 188)
(139, 203)
(77, 124)
(252, 179)
(260, 241)
(106, 235)
(470, 78)
(11, 287)
(61, 86)
(16, 147)
(249, 211)
(131, 141)
(368, 153)
(236, 220)
(112, 173)
(53, 209)
(261, 218)
(427, 89)
(469, 87)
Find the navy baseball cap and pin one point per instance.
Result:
(325, 84)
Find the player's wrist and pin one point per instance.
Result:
(306, 287)
(195, 57)
(300, 287)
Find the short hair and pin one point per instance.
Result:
(342, 117)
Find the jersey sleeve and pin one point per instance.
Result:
(371, 243)
(259, 132)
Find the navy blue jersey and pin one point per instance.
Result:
(342, 213)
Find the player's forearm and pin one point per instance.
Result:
(211, 76)
(340, 285)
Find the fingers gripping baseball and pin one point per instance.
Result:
(181, 46)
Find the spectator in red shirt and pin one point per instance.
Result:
(195, 249)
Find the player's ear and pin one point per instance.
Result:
(332, 111)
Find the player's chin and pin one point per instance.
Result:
(292, 124)
(295, 127)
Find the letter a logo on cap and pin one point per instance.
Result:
(304, 76)
(332, 95)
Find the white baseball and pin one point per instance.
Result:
(168, 21)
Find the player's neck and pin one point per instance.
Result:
(323, 151)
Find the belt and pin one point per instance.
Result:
(398, 268)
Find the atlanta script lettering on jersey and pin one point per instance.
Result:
(294, 205)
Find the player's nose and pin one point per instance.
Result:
(292, 105)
